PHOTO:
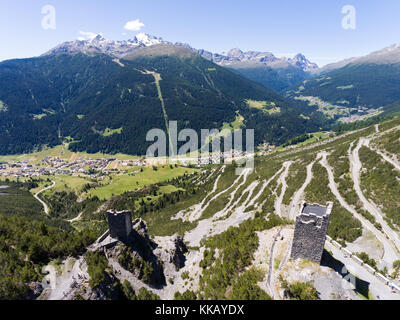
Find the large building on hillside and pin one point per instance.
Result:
(310, 231)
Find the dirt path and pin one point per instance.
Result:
(209, 227)
(197, 210)
(63, 283)
(157, 79)
(257, 196)
(356, 167)
(245, 173)
(215, 225)
(266, 184)
(380, 291)
(390, 252)
(282, 181)
(270, 278)
(201, 182)
(137, 284)
(318, 144)
(295, 203)
(249, 191)
(44, 204)
(77, 218)
(392, 160)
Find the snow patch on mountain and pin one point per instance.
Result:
(236, 56)
(98, 44)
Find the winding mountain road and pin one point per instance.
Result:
(270, 278)
(392, 161)
(356, 167)
(390, 252)
(200, 208)
(282, 181)
(77, 218)
(245, 173)
(378, 289)
(44, 204)
(294, 205)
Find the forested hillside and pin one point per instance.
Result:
(227, 222)
(356, 85)
(355, 88)
(29, 241)
(108, 105)
(278, 79)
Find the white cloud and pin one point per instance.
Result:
(134, 25)
(87, 35)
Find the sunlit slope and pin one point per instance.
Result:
(107, 105)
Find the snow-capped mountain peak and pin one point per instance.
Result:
(302, 62)
(98, 37)
(98, 44)
(148, 40)
(235, 53)
(237, 56)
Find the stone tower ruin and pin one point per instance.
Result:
(310, 232)
(120, 224)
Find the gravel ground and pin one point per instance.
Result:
(329, 284)
(369, 244)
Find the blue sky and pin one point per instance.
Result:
(284, 27)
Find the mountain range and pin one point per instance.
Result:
(99, 44)
(263, 67)
(356, 86)
(104, 95)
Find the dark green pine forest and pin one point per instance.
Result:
(365, 84)
(29, 240)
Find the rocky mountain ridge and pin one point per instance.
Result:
(99, 44)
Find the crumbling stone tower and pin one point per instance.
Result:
(120, 224)
(310, 232)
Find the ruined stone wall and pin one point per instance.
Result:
(309, 237)
(120, 224)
